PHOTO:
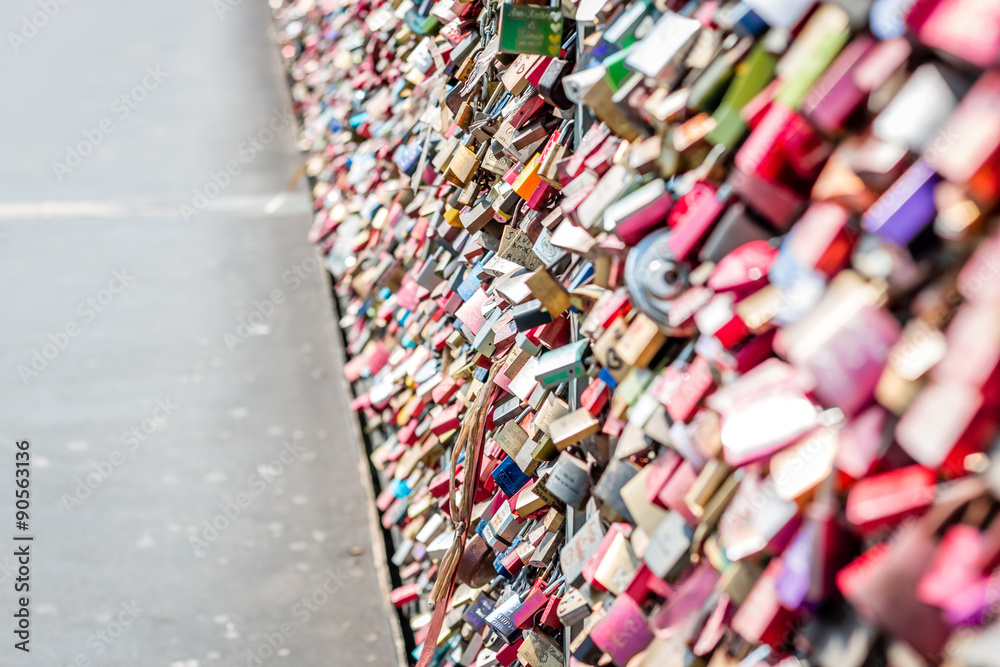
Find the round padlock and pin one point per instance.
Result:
(654, 279)
(475, 567)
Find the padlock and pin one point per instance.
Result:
(534, 601)
(572, 608)
(554, 297)
(653, 278)
(761, 618)
(608, 488)
(539, 650)
(502, 527)
(509, 477)
(623, 632)
(656, 55)
(530, 29)
(890, 497)
(578, 549)
(549, 616)
(529, 315)
(508, 563)
(500, 619)
(635, 214)
(569, 481)
(561, 364)
(570, 429)
(550, 84)
(748, 275)
(754, 73)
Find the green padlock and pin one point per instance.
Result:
(559, 365)
(530, 29)
(753, 73)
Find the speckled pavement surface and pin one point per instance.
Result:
(168, 349)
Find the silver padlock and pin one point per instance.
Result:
(500, 618)
(569, 481)
(654, 279)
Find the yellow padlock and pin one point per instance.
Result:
(451, 216)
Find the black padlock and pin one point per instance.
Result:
(550, 85)
(530, 315)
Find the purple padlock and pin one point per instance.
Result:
(905, 208)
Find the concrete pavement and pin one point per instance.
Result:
(169, 352)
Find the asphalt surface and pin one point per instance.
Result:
(167, 348)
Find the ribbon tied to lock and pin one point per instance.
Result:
(471, 439)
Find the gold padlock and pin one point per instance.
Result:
(462, 166)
